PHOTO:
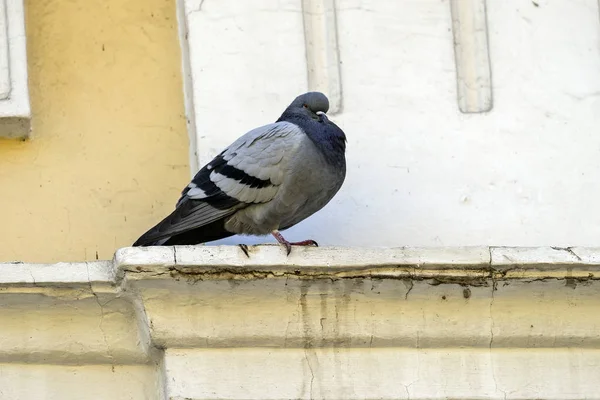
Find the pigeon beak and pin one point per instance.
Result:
(320, 113)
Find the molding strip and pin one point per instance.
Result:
(322, 51)
(471, 52)
(5, 84)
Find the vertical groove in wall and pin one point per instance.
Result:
(161, 372)
(471, 52)
(188, 86)
(5, 85)
(322, 52)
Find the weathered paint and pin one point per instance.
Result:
(109, 148)
(331, 323)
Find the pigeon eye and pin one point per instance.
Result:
(305, 105)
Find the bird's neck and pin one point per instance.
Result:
(329, 139)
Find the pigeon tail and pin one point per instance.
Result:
(207, 233)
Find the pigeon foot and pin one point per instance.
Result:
(288, 245)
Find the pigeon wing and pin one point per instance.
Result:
(250, 171)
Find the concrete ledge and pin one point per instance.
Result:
(217, 297)
(57, 275)
(271, 261)
(229, 262)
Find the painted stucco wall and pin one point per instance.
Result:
(420, 172)
(109, 148)
(109, 152)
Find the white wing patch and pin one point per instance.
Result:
(195, 192)
(242, 192)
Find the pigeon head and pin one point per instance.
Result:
(312, 101)
(310, 104)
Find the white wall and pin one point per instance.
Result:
(420, 171)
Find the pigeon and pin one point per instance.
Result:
(266, 181)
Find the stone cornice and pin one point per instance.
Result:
(148, 299)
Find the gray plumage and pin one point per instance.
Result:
(268, 180)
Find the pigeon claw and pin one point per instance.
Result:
(308, 242)
(244, 249)
(288, 245)
(288, 248)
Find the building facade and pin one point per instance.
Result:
(459, 260)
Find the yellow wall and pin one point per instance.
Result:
(109, 152)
